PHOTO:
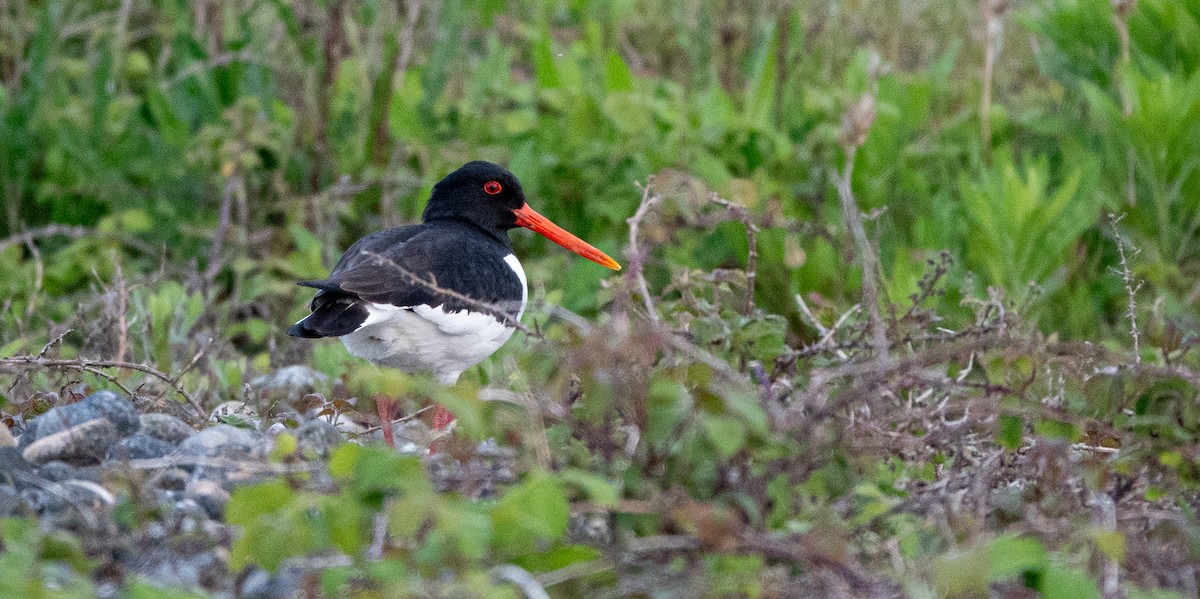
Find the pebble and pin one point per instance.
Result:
(317, 438)
(87, 442)
(228, 441)
(117, 410)
(294, 381)
(165, 427)
(170, 479)
(12, 463)
(6, 438)
(210, 496)
(56, 471)
(11, 502)
(139, 446)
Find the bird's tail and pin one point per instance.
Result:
(333, 315)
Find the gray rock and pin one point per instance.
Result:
(6, 438)
(210, 496)
(103, 404)
(56, 471)
(294, 381)
(170, 479)
(173, 569)
(165, 427)
(262, 585)
(75, 505)
(83, 443)
(139, 446)
(11, 464)
(11, 503)
(228, 441)
(317, 438)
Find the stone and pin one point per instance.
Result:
(317, 438)
(116, 409)
(83, 443)
(56, 471)
(6, 438)
(11, 503)
(294, 381)
(12, 464)
(228, 441)
(139, 446)
(166, 427)
(210, 496)
(170, 479)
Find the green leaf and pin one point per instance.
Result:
(285, 445)
(596, 488)
(545, 65)
(617, 73)
(1011, 432)
(668, 405)
(534, 510)
(726, 435)
(248, 503)
(1059, 582)
(1012, 555)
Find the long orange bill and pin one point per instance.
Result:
(528, 218)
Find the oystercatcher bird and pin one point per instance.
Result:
(441, 296)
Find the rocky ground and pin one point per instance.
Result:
(146, 492)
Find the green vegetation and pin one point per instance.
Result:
(1022, 415)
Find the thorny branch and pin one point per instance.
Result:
(743, 216)
(46, 231)
(637, 255)
(855, 127)
(993, 26)
(1120, 19)
(431, 285)
(86, 365)
(1131, 286)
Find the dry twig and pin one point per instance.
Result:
(46, 231)
(993, 26)
(1131, 285)
(1120, 19)
(431, 284)
(742, 215)
(855, 127)
(637, 255)
(92, 366)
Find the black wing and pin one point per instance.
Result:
(401, 267)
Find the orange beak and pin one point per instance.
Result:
(528, 218)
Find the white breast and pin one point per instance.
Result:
(431, 339)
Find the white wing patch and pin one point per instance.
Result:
(515, 265)
(461, 322)
(377, 313)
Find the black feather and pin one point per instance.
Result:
(333, 315)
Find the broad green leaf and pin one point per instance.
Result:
(249, 502)
(1011, 556)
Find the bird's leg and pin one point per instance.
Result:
(386, 407)
(442, 418)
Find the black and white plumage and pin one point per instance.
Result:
(441, 296)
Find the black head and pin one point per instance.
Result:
(480, 192)
(489, 196)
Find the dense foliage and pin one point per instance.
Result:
(1016, 413)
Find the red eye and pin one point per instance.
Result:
(492, 188)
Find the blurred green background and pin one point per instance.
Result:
(170, 168)
(320, 121)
